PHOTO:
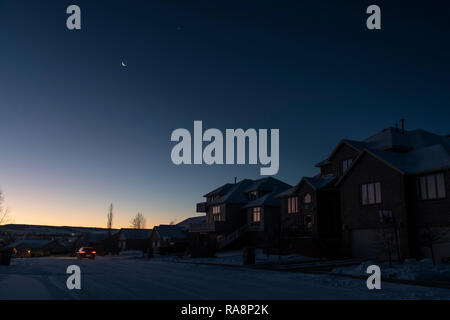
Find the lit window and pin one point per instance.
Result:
(216, 209)
(216, 213)
(256, 215)
(371, 193)
(346, 164)
(431, 187)
(292, 204)
(307, 198)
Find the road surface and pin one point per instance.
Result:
(138, 278)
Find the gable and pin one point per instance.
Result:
(369, 167)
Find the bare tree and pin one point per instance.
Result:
(138, 222)
(4, 212)
(110, 219)
(433, 236)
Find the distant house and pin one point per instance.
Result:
(134, 239)
(169, 239)
(185, 224)
(36, 248)
(244, 213)
(98, 240)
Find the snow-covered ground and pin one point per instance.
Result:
(409, 270)
(133, 278)
(235, 257)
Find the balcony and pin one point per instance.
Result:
(201, 207)
(215, 226)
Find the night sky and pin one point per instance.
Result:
(78, 131)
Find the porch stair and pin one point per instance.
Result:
(224, 240)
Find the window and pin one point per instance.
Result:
(253, 195)
(256, 214)
(346, 164)
(216, 209)
(292, 204)
(431, 187)
(370, 193)
(307, 198)
(216, 213)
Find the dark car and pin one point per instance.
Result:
(86, 252)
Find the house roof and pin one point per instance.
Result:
(266, 184)
(286, 193)
(319, 182)
(395, 138)
(270, 199)
(237, 193)
(30, 244)
(220, 190)
(96, 237)
(422, 160)
(136, 233)
(184, 225)
(170, 231)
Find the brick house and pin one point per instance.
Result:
(244, 213)
(397, 188)
(394, 184)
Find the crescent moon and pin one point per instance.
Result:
(123, 64)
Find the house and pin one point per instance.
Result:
(310, 217)
(36, 248)
(243, 213)
(395, 190)
(169, 239)
(100, 240)
(133, 239)
(384, 191)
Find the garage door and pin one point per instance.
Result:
(364, 243)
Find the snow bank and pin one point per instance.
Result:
(409, 270)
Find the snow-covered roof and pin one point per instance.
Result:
(395, 138)
(185, 223)
(266, 184)
(220, 190)
(269, 199)
(130, 233)
(319, 182)
(417, 161)
(30, 244)
(286, 193)
(170, 231)
(238, 192)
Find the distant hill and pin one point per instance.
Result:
(49, 230)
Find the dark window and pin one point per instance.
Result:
(431, 187)
(370, 193)
(346, 164)
(253, 195)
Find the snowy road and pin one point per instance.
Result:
(119, 278)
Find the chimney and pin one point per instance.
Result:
(235, 180)
(402, 121)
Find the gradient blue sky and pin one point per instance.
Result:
(78, 131)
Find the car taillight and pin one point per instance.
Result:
(82, 251)
(94, 252)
